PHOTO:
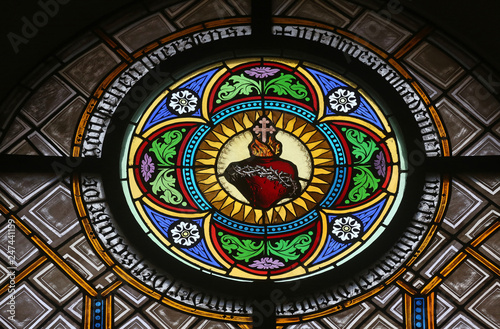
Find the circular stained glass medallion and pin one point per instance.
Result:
(263, 169)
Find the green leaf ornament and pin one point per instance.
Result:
(283, 85)
(242, 85)
(290, 250)
(362, 150)
(165, 183)
(363, 181)
(164, 151)
(245, 249)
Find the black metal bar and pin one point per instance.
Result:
(262, 20)
(45, 164)
(462, 164)
(33, 163)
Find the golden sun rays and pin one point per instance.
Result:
(228, 142)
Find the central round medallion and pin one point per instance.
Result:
(262, 169)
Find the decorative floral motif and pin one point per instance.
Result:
(380, 164)
(186, 234)
(343, 100)
(286, 249)
(164, 148)
(183, 101)
(364, 180)
(147, 167)
(262, 72)
(285, 84)
(346, 228)
(267, 263)
(363, 147)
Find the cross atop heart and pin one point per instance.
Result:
(264, 128)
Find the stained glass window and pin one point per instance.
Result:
(262, 169)
(252, 164)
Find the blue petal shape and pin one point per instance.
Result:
(162, 113)
(365, 111)
(332, 247)
(199, 251)
(326, 82)
(199, 83)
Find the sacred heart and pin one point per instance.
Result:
(264, 179)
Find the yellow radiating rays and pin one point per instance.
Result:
(318, 152)
(227, 131)
(279, 122)
(246, 212)
(219, 197)
(210, 153)
(315, 142)
(298, 131)
(206, 162)
(301, 203)
(237, 126)
(291, 209)
(215, 140)
(291, 124)
(229, 201)
(246, 121)
(237, 207)
(307, 137)
(281, 211)
(215, 145)
(322, 171)
(312, 145)
(319, 181)
(221, 137)
(308, 197)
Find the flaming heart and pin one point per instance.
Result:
(264, 179)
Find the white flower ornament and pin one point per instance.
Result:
(346, 228)
(183, 101)
(186, 234)
(343, 100)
